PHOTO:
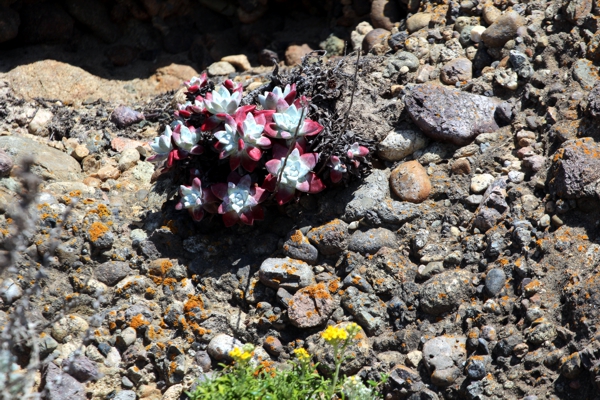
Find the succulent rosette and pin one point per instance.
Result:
(278, 100)
(187, 138)
(222, 101)
(296, 175)
(162, 146)
(338, 168)
(286, 123)
(196, 83)
(357, 151)
(241, 200)
(242, 140)
(195, 199)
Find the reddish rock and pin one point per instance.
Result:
(462, 166)
(410, 182)
(376, 41)
(311, 306)
(294, 54)
(384, 14)
(457, 70)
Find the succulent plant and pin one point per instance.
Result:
(285, 124)
(241, 200)
(296, 175)
(357, 151)
(242, 141)
(187, 138)
(278, 100)
(162, 145)
(338, 168)
(196, 83)
(194, 199)
(222, 101)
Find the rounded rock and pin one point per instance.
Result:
(372, 240)
(503, 29)
(494, 281)
(330, 238)
(124, 116)
(294, 54)
(457, 70)
(401, 143)
(220, 68)
(418, 21)
(410, 182)
(311, 306)
(221, 345)
(479, 183)
(384, 13)
(462, 166)
(273, 346)
(375, 40)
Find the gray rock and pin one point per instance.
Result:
(586, 73)
(540, 333)
(367, 197)
(47, 346)
(463, 117)
(401, 143)
(397, 212)
(126, 338)
(298, 247)
(577, 11)
(202, 360)
(372, 240)
(444, 292)
(355, 279)
(125, 395)
(494, 281)
(442, 356)
(367, 309)
(48, 163)
(6, 164)
(100, 236)
(80, 368)
(503, 29)
(457, 70)
(111, 272)
(286, 273)
(576, 164)
(60, 386)
(400, 60)
(476, 367)
(311, 306)
(68, 252)
(593, 108)
(220, 346)
(330, 238)
(10, 291)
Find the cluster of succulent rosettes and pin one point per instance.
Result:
(274, 135)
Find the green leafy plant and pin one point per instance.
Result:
(249, 378)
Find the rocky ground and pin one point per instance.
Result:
(469, 253)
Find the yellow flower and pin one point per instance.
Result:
(302, 354)
(353, 329)
(238, 355)
(333, 335)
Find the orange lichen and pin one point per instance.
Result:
(193, 302)
(138, 321)
(97, 230)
